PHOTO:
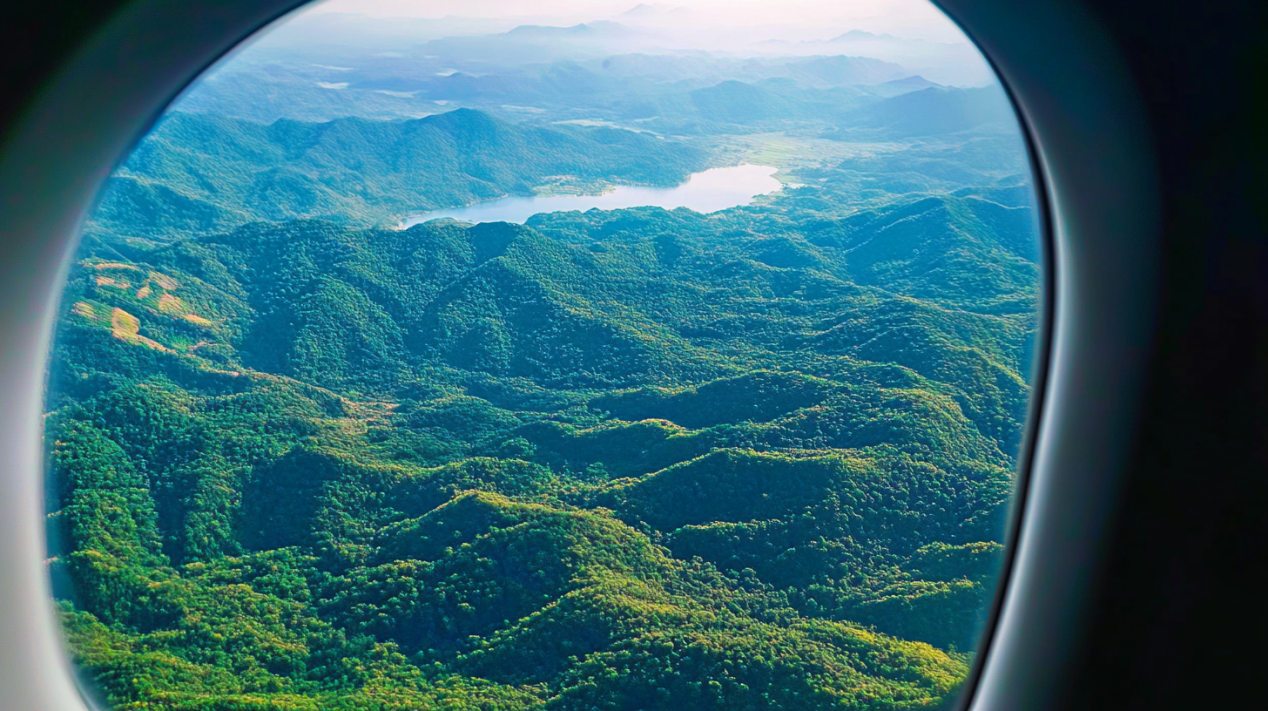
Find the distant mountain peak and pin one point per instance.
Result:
(464, 120)
(653, 10)
(858, 35)
(462, 114)
(535, 29)
(584, 28)
(915, 80)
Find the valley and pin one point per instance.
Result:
(304, 456)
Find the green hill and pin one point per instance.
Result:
(203, 173)
(630, 459)
(935, 111)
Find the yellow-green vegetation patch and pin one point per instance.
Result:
(169, 304)
(107, 281)
(112, 265)
(90, 311)
(127, 327)
(164, 281)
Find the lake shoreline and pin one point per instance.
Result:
(706, 192)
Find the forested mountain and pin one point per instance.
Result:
(625, 459)
(935, 111)
(200, 173)
(203, 173)
(628, 459)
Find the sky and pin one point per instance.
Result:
(774, 19)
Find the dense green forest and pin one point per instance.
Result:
(628, 459)
(200, 173)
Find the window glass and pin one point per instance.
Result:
(581, 355)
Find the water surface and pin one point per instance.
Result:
(707, 191)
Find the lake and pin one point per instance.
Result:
(707, 191)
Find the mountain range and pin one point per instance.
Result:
(200, 172)
(752, 458)
(626, 459)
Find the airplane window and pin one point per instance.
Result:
(583, 355)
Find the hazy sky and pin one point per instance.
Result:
(776, 19)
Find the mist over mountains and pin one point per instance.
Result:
(332, 65)
(644, 28)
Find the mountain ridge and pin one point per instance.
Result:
(629, 459)
(227, 172)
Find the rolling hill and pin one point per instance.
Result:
(627, 459)
(935, 111)
(202, 173)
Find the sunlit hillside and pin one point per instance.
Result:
(642, 458)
